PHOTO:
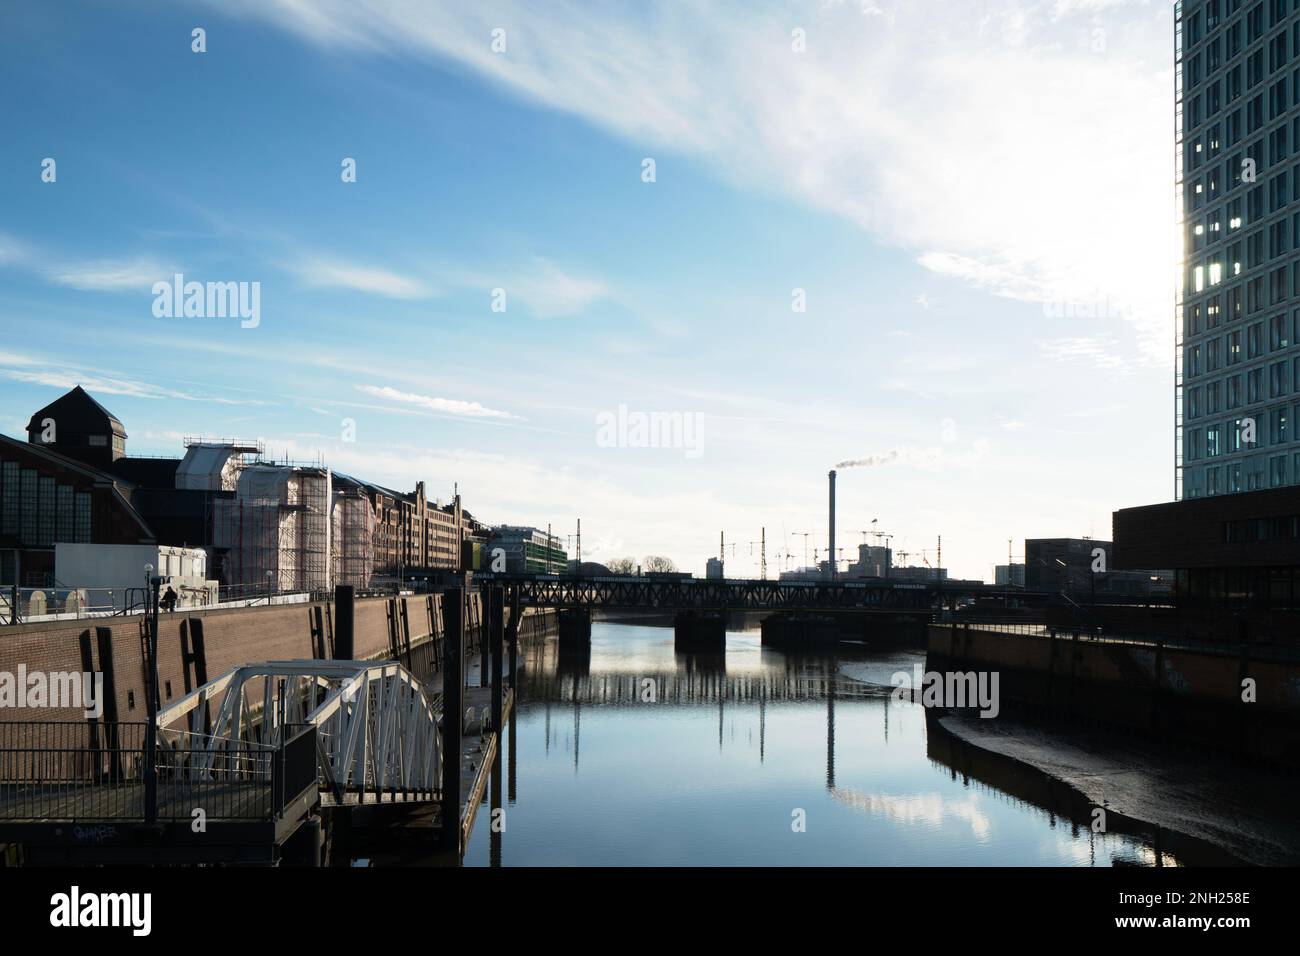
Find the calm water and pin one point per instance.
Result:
(734, 750)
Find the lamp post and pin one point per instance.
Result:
(153, 704)
(269, 575)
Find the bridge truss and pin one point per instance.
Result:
(715, 595)
(375, 727)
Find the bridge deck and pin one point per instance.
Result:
(105, 803)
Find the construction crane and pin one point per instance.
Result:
(806, 535)
(762, 544)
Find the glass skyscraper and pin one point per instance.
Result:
(1237, 174)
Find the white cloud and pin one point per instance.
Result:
(998, 145)
(446, 406)
(1100, 353)
(110, 275)
(550, 293)
(336, 274)
(58, 374)
(11, 250)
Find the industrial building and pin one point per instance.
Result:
(1068, 565)
(527, 550)
(1009, 575)
(264, 525)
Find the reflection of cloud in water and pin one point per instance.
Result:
(929, 809)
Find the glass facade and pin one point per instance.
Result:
(1237, 174)
(37, 510)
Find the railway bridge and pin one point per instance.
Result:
(801, 611)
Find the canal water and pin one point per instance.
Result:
(638, 755)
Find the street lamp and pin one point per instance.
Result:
(153, 705)
(269, 575)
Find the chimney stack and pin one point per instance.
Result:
(831, 562)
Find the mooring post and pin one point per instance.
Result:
(496, 631)
(484, 639)
(453, 680)
(512, 640)
(344, 621)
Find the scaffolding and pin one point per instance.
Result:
(214, 465)
(277, 529)
(354, 529)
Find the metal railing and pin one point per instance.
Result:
(89, 772)
(1094, 635)
(48, 769)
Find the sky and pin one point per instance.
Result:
(658, 267)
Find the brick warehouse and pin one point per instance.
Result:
(197, 646)
(72, 481)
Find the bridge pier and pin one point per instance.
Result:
(575, 625)
(704, 631)
(800, 630)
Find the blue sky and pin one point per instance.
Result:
(956, 190)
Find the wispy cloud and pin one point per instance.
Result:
(11, 250)
(50, 372)
(931, 458)
(110, 275)
(550, 293)
(338, 274)
(1039, 127)
(445, 406)
(1102, 353)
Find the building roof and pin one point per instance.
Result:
(86, 471)
(76, 413)
(147, 472)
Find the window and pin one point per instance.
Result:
(1277, 379)
(1277, 283)
(1236, 436)
(1277, 471)
(1255, 340)
(82, 511)
(27, 506)
(45, 513)
(1277, 332)
(1255, 386)
(64, 517)
(1212, 449)
(1254, 24)
(9, 498)
(1278, 430)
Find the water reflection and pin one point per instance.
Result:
(633, 754)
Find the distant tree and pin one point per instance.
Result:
(622, 566)
(655, 563)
